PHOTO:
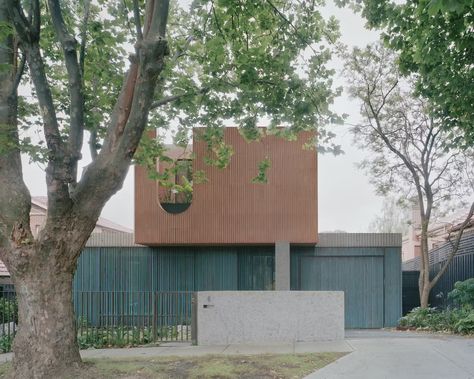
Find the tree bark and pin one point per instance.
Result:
(42, 269)
(425, 290)
(45, 345)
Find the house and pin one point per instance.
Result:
(460, 268)
(234, 234)
(39, 209)
(438, 232)
(38, 214)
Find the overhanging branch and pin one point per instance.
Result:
(170, 99)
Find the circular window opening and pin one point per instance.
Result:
(176, 194)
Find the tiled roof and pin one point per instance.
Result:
(42, 202)
(3, 270)
(96, 240)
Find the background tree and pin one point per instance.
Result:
(394, 217)
(434, 39)
(412, 153)
(219, 60)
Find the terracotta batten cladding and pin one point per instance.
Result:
(229, 208)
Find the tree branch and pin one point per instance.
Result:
(14, 196)
(76, 111)
(136, 16)
(82, 49)
(19, 73)
(129, 116)
(455, 247)
(170, 99)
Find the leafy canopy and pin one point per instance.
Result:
(435, 40)
(233, 62)
(412, 155)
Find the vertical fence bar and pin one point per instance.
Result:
(108, 318)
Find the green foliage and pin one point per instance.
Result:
(238, 61)
(6, 343)
(435, 42)
(399, 126)
(465, 325)
(121, 336)
(263, 167)
(452, 320)
(455, 320)
(463, 293)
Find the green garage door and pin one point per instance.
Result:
(361, 279)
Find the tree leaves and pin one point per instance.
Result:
(435, 42)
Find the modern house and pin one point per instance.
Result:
(236, 234)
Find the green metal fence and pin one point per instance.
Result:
(8, 319)
(115, 318)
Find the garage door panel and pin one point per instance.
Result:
(361, 279)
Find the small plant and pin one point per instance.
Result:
(459, 319)
(463, 293)
(6, 342)
(465, 325)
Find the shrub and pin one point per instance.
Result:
(463, 293)
(465, 325)
(456, 320)
(6, 342)
(419, 318)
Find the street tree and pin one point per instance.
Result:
(434, 40)
(394, 217)
(412, 153)
(202, 65)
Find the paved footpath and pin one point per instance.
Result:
(186, 349)
(402, 355)
(374, 354)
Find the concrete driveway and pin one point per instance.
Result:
(382, 354)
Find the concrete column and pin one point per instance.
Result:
(282, 266)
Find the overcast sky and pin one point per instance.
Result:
(346, 199)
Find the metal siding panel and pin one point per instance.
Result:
(216, 269)
(392, 286)
(256, 268)
(361, 279)
(391, 273)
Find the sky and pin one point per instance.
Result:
(346, 199)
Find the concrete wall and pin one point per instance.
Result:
(225, 317)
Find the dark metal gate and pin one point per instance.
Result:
(134, 317)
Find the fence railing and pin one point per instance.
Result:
(115, 318)
(8, 319)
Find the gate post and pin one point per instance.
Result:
(194, 313)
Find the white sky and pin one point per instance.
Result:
(346, 199)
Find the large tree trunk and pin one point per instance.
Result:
(45, 345)
(42, 269)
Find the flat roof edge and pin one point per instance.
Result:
(360, 240)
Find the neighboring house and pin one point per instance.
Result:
(39, 209)
(438, 233)
(38, 214)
